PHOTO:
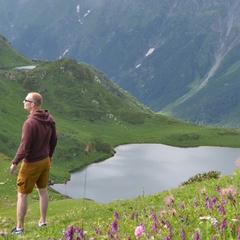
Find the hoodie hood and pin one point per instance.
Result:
(41, 116)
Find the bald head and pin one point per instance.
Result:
(36, 98)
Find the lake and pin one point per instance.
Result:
(25, 67)
(146, 168)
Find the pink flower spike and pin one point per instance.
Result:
(2, 233)
(139, 231)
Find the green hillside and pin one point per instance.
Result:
(9, 57)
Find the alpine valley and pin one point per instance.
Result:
(178, 57)
(88, 109)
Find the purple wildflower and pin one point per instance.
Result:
(115, 226)
(182, 206)
(214, 237)
(97, 230)
(218, 189)
(183, 235)
(69, 233)
(162, 221)
(214, 199)
(116, 215)
(221, 209)
(149, 235)
(154, 228)
(224, 202)
(195, 203)
(168, 225)
(80, 232)
(154, 217)
(208, 202)
(196, 236)
(110, 234)
(223, 225)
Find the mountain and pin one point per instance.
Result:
(177, 57)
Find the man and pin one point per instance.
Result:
(38, 142)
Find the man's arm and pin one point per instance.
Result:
(24, 145)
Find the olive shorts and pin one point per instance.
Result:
(32, 173)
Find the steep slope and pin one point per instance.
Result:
(217, 104)
(9, 57)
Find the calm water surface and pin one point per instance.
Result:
(148, 168)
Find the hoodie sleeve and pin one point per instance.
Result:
(25, 143)
(53, 139)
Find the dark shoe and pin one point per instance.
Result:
(42, 224)
(17, 231)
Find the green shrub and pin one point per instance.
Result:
(101, 146)
(202, 177)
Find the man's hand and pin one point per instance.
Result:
(13, 168)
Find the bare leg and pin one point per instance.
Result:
(43, 203)
(22, 205)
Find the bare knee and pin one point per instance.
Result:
(22, 196)
(42, 191)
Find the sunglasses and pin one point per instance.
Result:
(25, 100)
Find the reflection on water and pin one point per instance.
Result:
(146, 168)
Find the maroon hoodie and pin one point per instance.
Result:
(39, 138)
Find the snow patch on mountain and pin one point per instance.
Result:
(150, 51)
(87, 13)
(78, 8)
(64, 53)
